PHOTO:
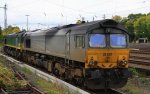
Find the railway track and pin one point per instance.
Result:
(29, 88)
(46, 76)
(140, 52)
(33, 89)
(139, 59)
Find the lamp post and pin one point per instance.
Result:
(5, 15)
(27, 22)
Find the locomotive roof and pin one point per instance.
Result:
(35, 32)
(85, 27)
(101, 24)
(75, 28)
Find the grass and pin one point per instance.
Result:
(134, 86)
(1, 44)
(44, 85)
(8, 80)
(27, 71)
(138, 84)
(51, 88)
(40, 83)
(2, 60)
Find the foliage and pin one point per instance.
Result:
(133, 71)
(142, 26)
(1, 36)
(130, 26)
(117, 18)
(0, 32)
(10, 30)
(135, 16)
(138, 25)
(145, 81)
(26, 70)
(51, 88)
(8, 80)
(134, 87)
(137, 85)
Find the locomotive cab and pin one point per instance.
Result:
(108, 48)
(107, 57)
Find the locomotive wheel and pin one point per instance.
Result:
(56, 72)
(78, 81)
(57, 69)
(49, 66)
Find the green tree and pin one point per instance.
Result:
(133, 26)
(148, 26)
(138, 25)
(0, 35)
(130, 26)
(117, 18)
(135, 16)
(0, 31)
(142, 27)
(124, 20)
(10, 30)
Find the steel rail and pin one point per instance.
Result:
(47, 76)
(30, 89)
(60, 82)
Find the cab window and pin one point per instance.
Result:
(118, 40)
(97, 40)
(79, 41)
(28, 43)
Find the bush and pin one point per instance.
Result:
(134, 71)
(8, 80)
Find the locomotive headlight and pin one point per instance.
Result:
(125, 62)
(122, 63)
(92, 63)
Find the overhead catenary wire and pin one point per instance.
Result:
(67, 12)
(92, 13)
(72, 8)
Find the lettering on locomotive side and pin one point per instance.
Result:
(107, 54)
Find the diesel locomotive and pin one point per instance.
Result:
(94, 54)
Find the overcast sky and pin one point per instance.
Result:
(48, 13)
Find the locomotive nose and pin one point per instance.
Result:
(104, 58)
